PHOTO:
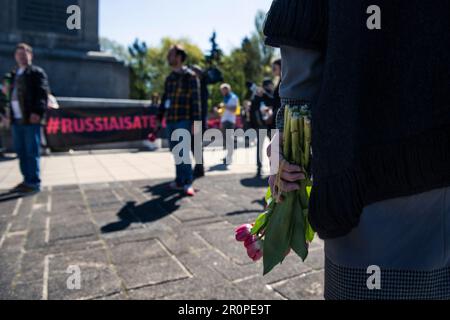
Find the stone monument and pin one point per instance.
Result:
(72, 58)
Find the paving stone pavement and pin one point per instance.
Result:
(137, 240)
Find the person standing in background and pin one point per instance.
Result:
(228, 121)
(155, 100)
(181, 106)
(199, 169)
(276, 71)
(4, 106)
(29, 99)
(262, 118)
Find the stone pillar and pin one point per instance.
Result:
(71, 57)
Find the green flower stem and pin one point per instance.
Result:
(287, 135)
(307, 142)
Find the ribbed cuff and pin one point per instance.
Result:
(287, 102)
(280, 118)
(278, 42)
(293, 102)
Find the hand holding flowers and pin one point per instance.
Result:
(285, 225)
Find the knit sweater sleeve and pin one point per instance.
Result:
(297, 23)
(302, 78)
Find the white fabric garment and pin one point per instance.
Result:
(15, 105)
(17, 112)
(232, 102)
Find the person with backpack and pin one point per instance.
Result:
(181, 106)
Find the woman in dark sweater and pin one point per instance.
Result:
(381, 138)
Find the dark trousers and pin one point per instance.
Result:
(228, 140)
(260, 147)
(183, 170)
(27, 143)
(198, 151)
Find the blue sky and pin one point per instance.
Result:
(150, 20)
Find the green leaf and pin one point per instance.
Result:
(310, 233)
(308, 190)
(298, 241)
(303, 195)
(278, 233)
(268, 197)
(268, 194)
(260, 223)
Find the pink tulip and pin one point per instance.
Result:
(244, 232)
(254, 248)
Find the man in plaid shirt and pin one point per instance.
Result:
(181, 106)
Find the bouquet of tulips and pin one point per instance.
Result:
(285, 225)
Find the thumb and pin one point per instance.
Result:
(272, 180)
(275, 155)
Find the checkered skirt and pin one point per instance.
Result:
(343, 283)
(407, 239)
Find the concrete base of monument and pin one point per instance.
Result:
(109, 104)
(130, 145)
(89, 103)
(6, 145)
(74, 73)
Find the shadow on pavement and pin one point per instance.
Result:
(219, 167)
(9, 196)
(164, 204)
(236, 213)
(261, 202)
(255, 182)
(6, 159)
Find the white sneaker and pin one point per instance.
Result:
(189, 190)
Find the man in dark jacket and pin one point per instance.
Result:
(29, 94)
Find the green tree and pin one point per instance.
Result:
(149, 67)
(215, 55)
(258, 56)
(119, 51)
(232, 67)
(267, 53)
(140, 82)
(253, 60)
(249, 63)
